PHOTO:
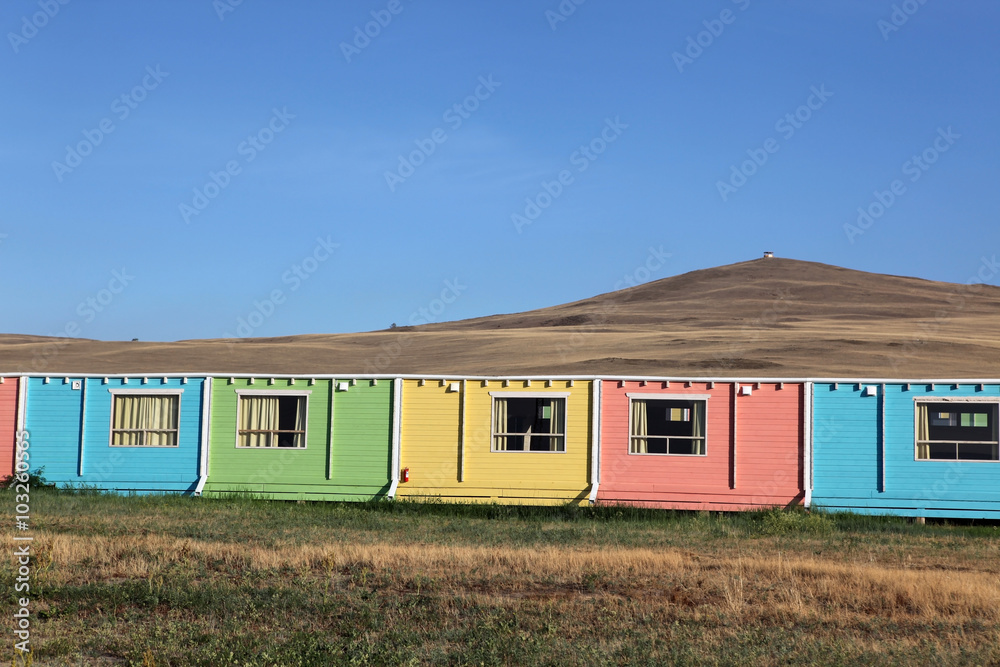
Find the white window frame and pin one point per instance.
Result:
(123, 391)
(528, 394)
(927, 398)
(240, 393)
(665, 397)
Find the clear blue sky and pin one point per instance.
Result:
(309, 118)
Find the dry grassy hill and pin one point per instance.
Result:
(767, 317)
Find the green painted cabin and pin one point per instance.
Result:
(301, 438)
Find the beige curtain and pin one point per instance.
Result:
(500, 425)
(145, 420)
(555, 425)
(159, 415)
(698, 419)
(640, 428)
(923, 432)
(300, 421)
(126, 417)
(258, 413)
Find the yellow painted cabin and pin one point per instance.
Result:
(497, 440)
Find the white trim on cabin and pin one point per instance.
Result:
(397, 410)
(111, 417)
(272, 392)
(667, 395)
(22, 412)
(807, 444)
(206, 433)
(536, 394)
(930, 398)
(595, 445)
(568, 378)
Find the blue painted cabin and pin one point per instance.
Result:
(926, 449)
(127, 434)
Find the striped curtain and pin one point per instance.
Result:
(923, 432)
(145, 421)
(500, 425)
(555, 425)
(258, 413)
(640, 428)
(697, 428)
(127, 418)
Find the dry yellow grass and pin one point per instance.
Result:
(174, 581)
(743, 586)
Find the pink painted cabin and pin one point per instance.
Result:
(752, 462)
(8, 425)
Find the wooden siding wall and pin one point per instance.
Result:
(766, 459)
(8, 425)
(55, 423)
(435, 440)
(864, 462)
(347, 456)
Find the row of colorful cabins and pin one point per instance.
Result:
(925, 448)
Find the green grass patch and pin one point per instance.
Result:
(176, 581)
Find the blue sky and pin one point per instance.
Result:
(168, 169)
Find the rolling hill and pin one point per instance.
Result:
(767, 318)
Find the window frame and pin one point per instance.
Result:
(276, 393)
(125, 391)
(637, 396)
(494, 395)
(992, 401)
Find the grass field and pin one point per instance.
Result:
(189, 581)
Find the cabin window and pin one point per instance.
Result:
(957, 431)
(144, 420)
(667, 426)
(529, 424)
(272, 421)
